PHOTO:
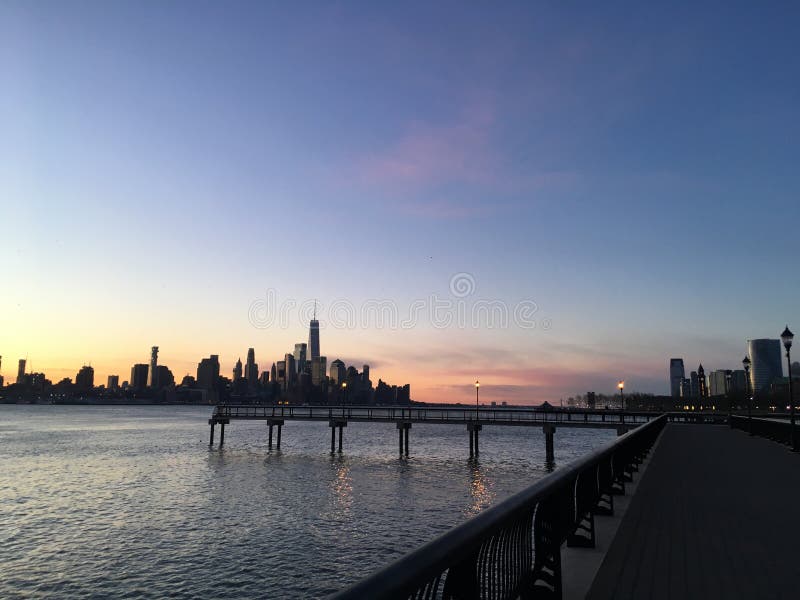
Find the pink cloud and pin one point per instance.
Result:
(428, 153)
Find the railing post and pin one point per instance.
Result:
(211, 441)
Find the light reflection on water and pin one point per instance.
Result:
(109, 501)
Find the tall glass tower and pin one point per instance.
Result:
(676, 376)
(313, 339)
(765, 355)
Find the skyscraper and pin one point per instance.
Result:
(208, 373)
(313, 337)
(21, 370)
(251, 369)
(765, 355)
(300, 356)
(237, 371)
(113, 382)
(319, 369)
(676, 376)
(152, 374)
(139, 376)
(338, 372)
(84, 380)
(701, 381)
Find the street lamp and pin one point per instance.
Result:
(787, 337)
(344, 395)
(477, 388)
(621, 386)
(728, 377)
(746, 365)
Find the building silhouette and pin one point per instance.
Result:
(251, 369)
(694, 385)
(338, 372)
(300, 351)
(313, 338)
(319, 370)
(702, 390)
(766, 367)
(139, 376)
(113, 382)
(21, 371)
(718, 382)
(237, 370)
(1, 375)
(676, 376)
(84, 380)
(208, 373)
(152, 373)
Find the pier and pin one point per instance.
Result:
(473, 419)
(711, 515)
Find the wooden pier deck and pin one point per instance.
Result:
(714, 516)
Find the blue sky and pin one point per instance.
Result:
(629, 168)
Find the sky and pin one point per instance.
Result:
(545, 196)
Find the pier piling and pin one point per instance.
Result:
(549, 435)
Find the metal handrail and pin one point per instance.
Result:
(773, 429)
(514, 547)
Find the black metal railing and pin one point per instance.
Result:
(513, 549)
(429, 414)
(775, 428)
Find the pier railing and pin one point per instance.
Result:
(774, 428)
(429, 414)
(513, 549)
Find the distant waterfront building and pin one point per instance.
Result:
(694, 385)
(263, 379)
(251, 369)
(765, 355)
(738, 382)
(139, 376)
(113, 382)
(1, 375)
(686, 387)
(84, 380)
(21, 371)
(300, 351)
(165, 377)
(702, 390)
(273, 373)
(319, 370)
(365, 377)
(152, 373)
(208, 373)
(338, 372)
(676, 376)
(313, 338)
(718, 382)
(291, 370)
(237, 371)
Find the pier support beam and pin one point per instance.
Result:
(402, 430)
(211, 422)
(333, 424)
(473, 429)
(221, 434)
(549, 435)
(273, 423)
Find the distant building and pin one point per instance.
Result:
(21, 371)
(591, 400)
(338, 372)
(152, 373)
(694, 385)
(365, 377)
(676, 376)
(165, 377)
(313, 338)
(237, 370)
(738, 382)
(113, 382)
(84, 380)
(291, 371)
(300, 351)
(1, 376)
(319, 370)
(208, 373)
(139, 376)
(251, 369)
(702, 390)
(766, 367)
(188, 381)
(718, 382)
(686, 387)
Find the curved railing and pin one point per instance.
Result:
(513, 549)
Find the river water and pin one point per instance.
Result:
(131, 502)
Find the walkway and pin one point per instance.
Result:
(716, 515)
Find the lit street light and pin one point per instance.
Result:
(477, 388)
(787, 337)
(746, 365)
(621, 386)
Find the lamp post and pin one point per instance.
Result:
(477, 388)
(621, 386)
(746, 366)
(787, 337)
(728, 377)
(344, 395)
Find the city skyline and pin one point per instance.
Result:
(628, 169)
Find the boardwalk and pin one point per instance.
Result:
(715, 516)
